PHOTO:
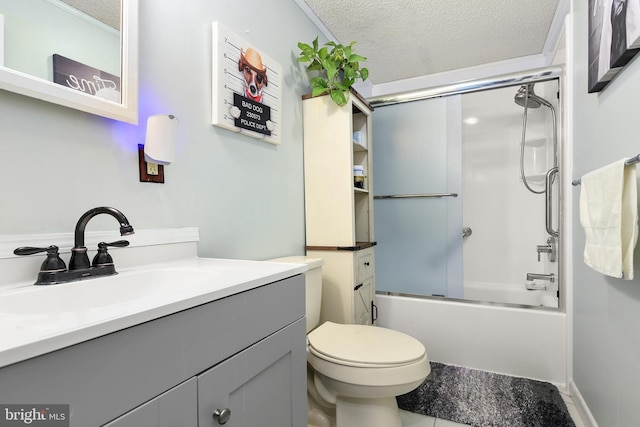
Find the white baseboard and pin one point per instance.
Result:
(581, 406)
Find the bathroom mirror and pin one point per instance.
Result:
(81, 54)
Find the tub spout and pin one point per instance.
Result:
(531, 276)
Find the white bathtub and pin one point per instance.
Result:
(510, 294)
(524, 342)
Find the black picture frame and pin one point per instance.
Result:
(614, 39)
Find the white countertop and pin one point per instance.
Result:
(35, 320)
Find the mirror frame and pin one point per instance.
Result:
(126, 110)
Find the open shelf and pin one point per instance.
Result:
(357, 146)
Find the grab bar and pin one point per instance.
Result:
(416, 196)
(548, 218)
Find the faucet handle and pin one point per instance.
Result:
(30, 250)
(53, 262)
(103, 258)
(116, 244)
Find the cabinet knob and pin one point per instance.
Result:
(367, 263)
(222, 415)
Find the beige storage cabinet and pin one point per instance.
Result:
(339, 214)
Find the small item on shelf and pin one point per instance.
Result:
(358, 176)
(357, 137)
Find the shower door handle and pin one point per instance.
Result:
(548, 220)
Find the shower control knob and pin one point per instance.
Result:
(222, 415)
(550, 249)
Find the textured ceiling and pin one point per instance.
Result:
(410, 38)
(107, 11)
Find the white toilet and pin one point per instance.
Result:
(354, 372)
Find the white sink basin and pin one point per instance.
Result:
(105, 292)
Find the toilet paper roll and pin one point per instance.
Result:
(161, 139)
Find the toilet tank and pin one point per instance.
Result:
(313, 286)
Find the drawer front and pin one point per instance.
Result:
(176, 407)
(365, 264)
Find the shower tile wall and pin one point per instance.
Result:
(507, 220)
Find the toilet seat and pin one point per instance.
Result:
(364, 346)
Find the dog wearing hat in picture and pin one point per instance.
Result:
(254, 74)
(254, 79)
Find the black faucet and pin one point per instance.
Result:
(53, 269)
(79, 258)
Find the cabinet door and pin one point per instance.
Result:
(176, 407)
(362, 299)
(264, 385)
(365, 287)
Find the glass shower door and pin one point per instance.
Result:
(418, 221)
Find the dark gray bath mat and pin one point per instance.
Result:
(485, 399)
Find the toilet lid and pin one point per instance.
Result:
(362, 344)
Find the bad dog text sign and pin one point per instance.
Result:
(247, 87)
(252, 115)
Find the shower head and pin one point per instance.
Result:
(532, 100)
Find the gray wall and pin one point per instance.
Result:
(606, 351)
(245, 195)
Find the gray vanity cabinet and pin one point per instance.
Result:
(245, 353)
(176, 407)
(253, 388)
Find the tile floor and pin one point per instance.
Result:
(410, 419)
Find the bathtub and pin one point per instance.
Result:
(526, 342)
(510, 294)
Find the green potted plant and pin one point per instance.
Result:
(334, 68)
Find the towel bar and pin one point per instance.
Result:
(631, 161)
(416, 196)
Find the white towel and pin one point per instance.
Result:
(609, 216)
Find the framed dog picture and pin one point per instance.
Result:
(247, 87)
